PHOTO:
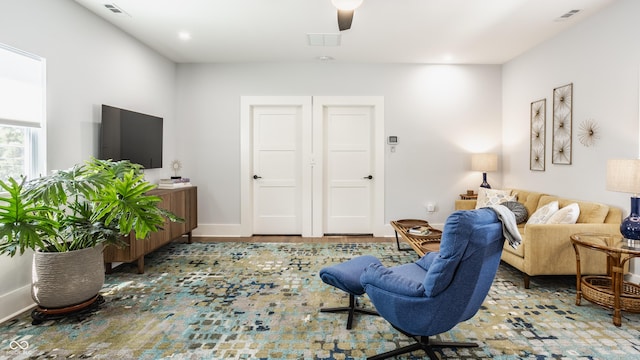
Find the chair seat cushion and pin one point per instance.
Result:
(346, 276)
(398, 280)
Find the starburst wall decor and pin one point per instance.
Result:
(537, 141)
(562, 119)
(588, 132)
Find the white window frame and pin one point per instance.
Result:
(33, 122)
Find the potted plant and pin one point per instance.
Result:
(75, 213)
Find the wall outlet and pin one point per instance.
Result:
(431, 207)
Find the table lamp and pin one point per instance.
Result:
(624, 176)
(484, 163)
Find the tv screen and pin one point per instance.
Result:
(129, 135)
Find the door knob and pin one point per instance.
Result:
(368, 177)
(256, 177)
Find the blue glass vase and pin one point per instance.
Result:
(630, 227)
(485, 184)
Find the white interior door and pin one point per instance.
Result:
(283, 143)
(348, 134)
(277, 175)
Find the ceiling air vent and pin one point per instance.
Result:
(568, 14)
(114, 8)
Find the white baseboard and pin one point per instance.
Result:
(217, 230)
(15, 302)
(235, 230)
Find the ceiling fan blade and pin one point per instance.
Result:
(345, 17)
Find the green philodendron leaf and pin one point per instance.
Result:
(126, 202)
(24, 224)
(90, 203)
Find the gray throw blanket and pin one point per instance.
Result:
(509, 226)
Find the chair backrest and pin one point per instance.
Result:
(456, 279)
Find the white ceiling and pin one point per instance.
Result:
(383, 31)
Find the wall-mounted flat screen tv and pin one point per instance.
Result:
(130, 135)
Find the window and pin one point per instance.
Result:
(22, 114)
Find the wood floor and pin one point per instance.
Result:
(297, 239)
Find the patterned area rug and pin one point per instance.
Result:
(261, 301)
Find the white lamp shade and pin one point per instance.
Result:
(623, 175)
(484, 162)
(346, 4)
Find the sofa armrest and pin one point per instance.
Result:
(547, 248)
(465, 204)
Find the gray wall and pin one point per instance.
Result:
(439, 113)
(601, 57)
(89, 63)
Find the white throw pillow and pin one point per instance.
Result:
(488, 197)
(543, 214)
(567, 215)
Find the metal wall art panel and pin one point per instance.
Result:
(538, 131)
(562, 124)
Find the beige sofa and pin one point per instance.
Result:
(546, 248)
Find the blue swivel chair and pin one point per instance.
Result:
(346, 277)
(442, 288)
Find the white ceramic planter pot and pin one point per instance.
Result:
(68, 278)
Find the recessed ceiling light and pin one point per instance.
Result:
(183, 35)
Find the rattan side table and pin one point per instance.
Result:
(421, 244)
(610, 291)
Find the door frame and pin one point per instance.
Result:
(320, 103)
(312, 109)
(247, 103)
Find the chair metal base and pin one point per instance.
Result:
(422, 343)
(351, 309)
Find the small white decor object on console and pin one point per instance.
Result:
(176, 165)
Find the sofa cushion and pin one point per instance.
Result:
(543, 213)
(592, 212)
(518, 209)
(567, 215)
(489, 197)
(529, 199)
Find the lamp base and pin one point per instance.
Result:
(630, 226)
(485, 184)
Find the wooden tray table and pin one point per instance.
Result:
(421, 244)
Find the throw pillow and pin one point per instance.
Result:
(488, 197)
(567, 215)
(518, 209)
(544, 213)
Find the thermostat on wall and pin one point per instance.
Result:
(392, 140)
